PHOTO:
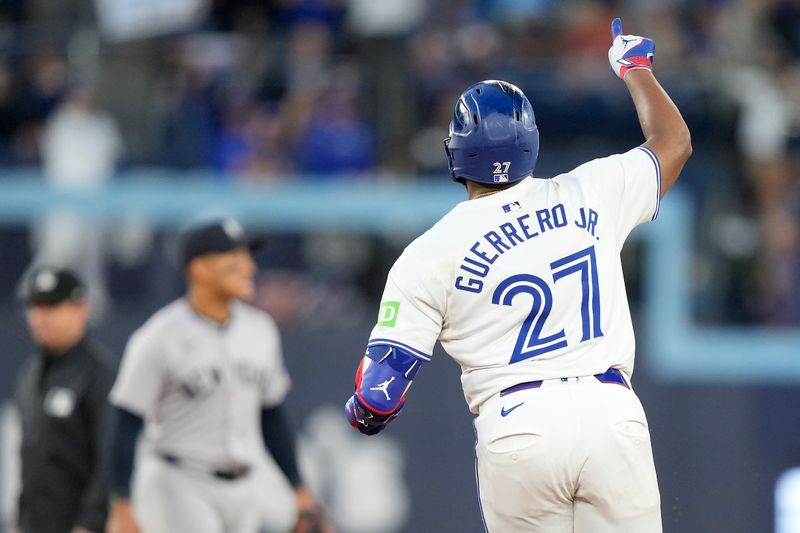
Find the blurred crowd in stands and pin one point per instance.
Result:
(272, 90)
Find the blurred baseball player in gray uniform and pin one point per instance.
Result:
(204, 377)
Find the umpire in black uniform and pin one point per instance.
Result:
(62, 395)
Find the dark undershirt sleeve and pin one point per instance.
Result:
(279, 440)
(127, 427)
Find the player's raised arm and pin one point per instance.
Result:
(665, 131)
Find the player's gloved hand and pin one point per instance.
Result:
(312, 521)
(366, 421)
(629, 52)
(310, 518)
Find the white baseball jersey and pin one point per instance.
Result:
(201, 385)
(526, 284)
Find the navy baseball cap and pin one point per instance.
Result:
(46, 285)
(214, 237)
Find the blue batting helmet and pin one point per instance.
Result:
(493, 135)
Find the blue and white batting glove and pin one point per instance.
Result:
(629, 52)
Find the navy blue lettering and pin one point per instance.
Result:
(559, 216)
(478, 262)
(473, 285)
(482, 273)
(511, 233)
(590, 227)
(497, 241)
(483, 255)
(543, 215)
(582, 223)
(526, 228)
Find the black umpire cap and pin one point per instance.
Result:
(214, 237)
(47, 285)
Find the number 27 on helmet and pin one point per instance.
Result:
(493, 135)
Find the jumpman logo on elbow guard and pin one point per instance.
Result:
(384, 388)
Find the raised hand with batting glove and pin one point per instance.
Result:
(629, 52)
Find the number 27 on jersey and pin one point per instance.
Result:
(579, 267)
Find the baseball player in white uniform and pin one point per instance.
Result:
(522, 284)
(204, 377)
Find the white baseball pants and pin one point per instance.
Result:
(573, 456)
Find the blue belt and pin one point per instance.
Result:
(612, 375)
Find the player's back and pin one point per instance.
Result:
(527, 283)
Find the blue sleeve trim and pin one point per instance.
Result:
(389, 342)
(656, 163)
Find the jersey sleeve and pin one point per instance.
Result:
(276, 380)
(412, 308)
(141, 375)
(629, 184)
